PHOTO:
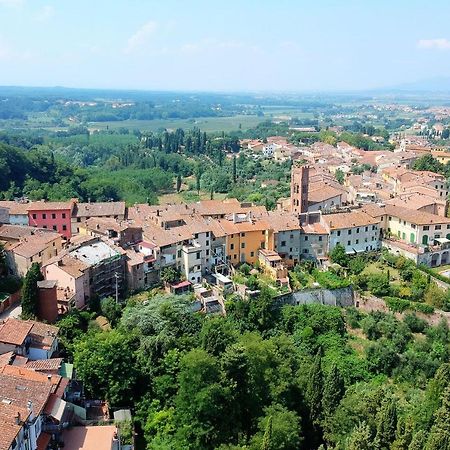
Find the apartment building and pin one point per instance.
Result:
(107, 210)
(356, 231)
(54, 216)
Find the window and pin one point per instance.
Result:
(199, 254)
(367, 228)
(262, 232)
(306, 238)
(374, 227)
(426, 228)
(44, 215)
(320, 238)
(234, 256)
(78, 219)
(54, 227)
(196, 236)
(179, 253)
(349, 231)
(63, 215)
(207, 252)
(357, 230)
(207, 234)
(207, 243)
(413, 226)
(53, 216)
(357, 241)
(291, 236)
(231, 246)
(339, 232)
(437, 227)
(242, 234)
(64, 227)
(44, 226)
(283, 243)
(243, 245)
(34, 216)
(349, 242)
(252, 254)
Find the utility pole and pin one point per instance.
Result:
(116, 276)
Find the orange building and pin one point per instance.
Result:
(244, 237)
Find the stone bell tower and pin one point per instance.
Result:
(299, 188)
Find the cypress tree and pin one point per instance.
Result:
(314, 389)
(234, 170)
(30, 292)
(178, 183)
(418, 441)
(267, 439)
(439, 438)
(386, 423)
(333, 391)
(360, 438)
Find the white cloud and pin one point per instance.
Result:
(439, 44)
(141, 36)
(45, 13)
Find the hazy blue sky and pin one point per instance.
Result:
(223, 45)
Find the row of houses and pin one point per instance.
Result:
(42, 405)
(61, 217)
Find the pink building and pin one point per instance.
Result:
(52, 215)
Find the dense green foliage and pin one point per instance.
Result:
(267, 377)
(30, 293)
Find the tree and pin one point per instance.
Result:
(267, 439)
(340, 177)
(178, 183)
(234, 170)
(418, 441)
(216, 334)
(360, 439)
(314, 389)
(333, 391)
(169, 275)
(386, 423)
(111, 310)
(106, 363)
(439, 437)
(30, 292)
(279, 429)
(378, 284)
(339, 256)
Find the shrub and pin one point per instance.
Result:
(396, 304)
(414, 323)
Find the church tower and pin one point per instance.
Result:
(299, 188)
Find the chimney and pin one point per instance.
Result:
(17, 418)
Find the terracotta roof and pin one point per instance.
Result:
(17, 232)
(15, 331)
(89, 438)
(99, 209)
(322, 192)
(349, 220)
(43, 334)
(73, 266)
(9, 428)
(409, 215)
(282, 221)
(31, 245)
(20, 390)
(15, 208)
(44, 206)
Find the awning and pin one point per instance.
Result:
(442, 240)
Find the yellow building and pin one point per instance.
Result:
(244, 237)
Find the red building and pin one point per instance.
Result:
(54, 216)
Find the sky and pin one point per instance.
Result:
(223, 45)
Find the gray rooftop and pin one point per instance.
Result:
(94, 253)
